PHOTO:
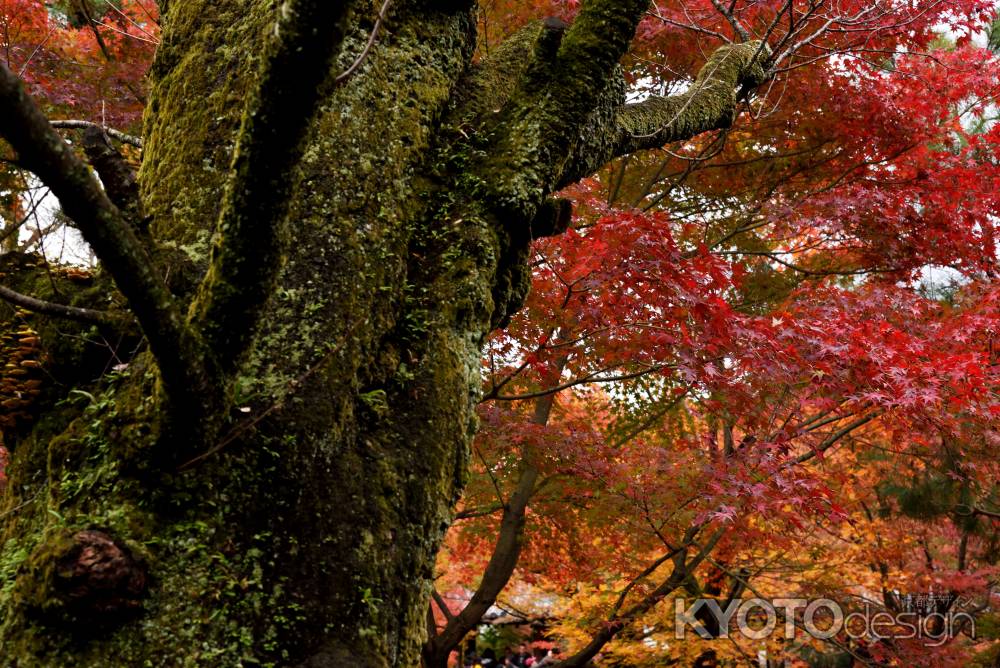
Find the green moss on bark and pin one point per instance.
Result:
(290, 540)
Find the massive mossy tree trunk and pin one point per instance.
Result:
(314, 267)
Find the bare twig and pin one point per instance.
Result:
(738, 28)
(349, 72)
(71, 124)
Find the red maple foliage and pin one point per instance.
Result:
(760, 329)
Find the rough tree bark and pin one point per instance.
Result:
(318, 261)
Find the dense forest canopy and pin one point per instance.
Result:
(381, 333)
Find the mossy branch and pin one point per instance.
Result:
(41, 150)
(58, 310)
(542, 123)
(709, 104)
(249, 246)
(486, 88)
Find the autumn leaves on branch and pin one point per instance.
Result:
(566, 117)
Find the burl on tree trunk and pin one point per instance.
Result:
(324, 235)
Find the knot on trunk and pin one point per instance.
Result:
(97, 575)
(86, 581)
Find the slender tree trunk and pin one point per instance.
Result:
(506, 550)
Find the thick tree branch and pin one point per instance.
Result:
(709, 104)
(41, 150)
(487, 86)
(250, 242)
(557, 94)
(442, 605)
(969, 511)
(498, 571)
